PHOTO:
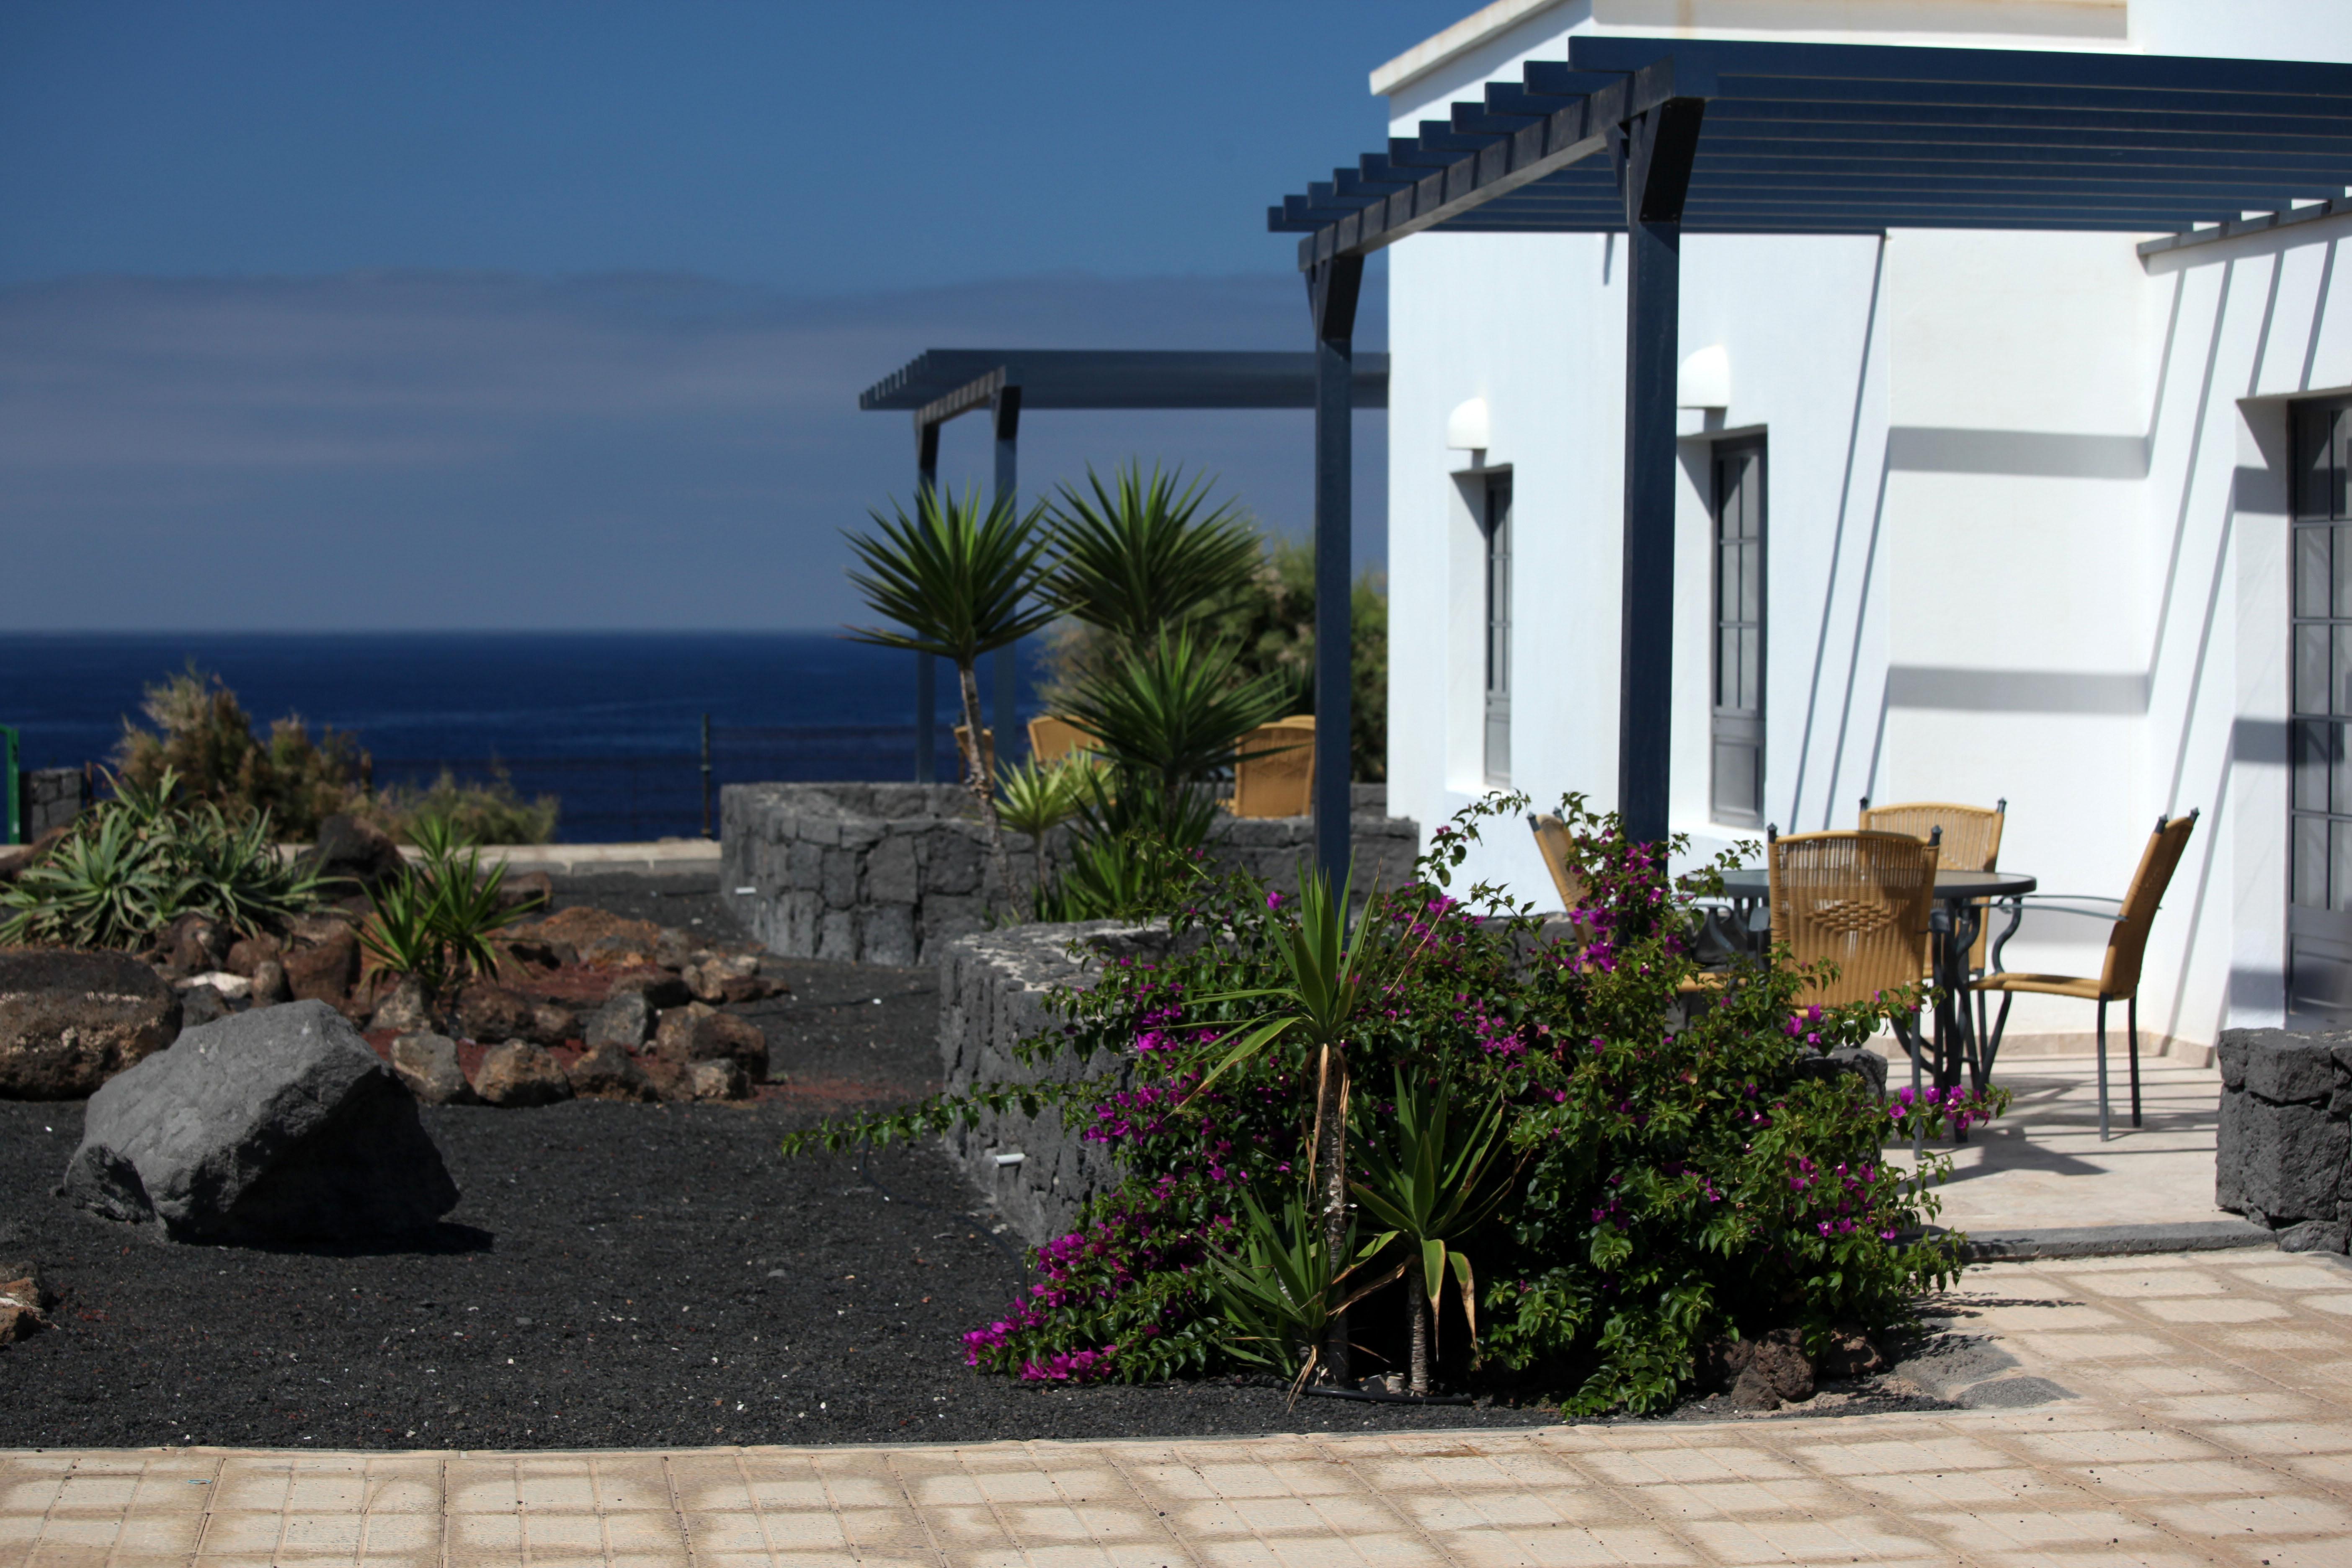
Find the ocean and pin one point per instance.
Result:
(610, 723)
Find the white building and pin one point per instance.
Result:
(2020, 505)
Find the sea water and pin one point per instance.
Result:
(609, 722)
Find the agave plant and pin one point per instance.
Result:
(134, 863)
(959, 582)
(1138, 555)
(1288, 1284)
(1430, 1176)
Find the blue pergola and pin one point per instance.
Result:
(1654, 138)
(939, 384)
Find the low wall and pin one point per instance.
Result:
(883, 873)
(994, 989)
(52, 797)
(2285, 1157)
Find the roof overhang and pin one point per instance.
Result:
(1837, 138)
(939, 383)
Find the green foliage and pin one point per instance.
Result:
(1034, 799)
(1430, 1177)
(1115, 876)
(1138, 557)
(133, 864)
(489, 813)
(1280, 1284)
(434, 921)
(1684, 1168)
(204, 741)
(1171, 714)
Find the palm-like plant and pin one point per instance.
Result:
(1285, 1284)
(1171, 715)
(435, 921)
(1331, 977)
(1431, 1184)
(1139, 556)
(959, 582)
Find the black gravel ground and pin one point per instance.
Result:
(616, 1276)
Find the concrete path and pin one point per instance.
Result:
(2043, 1164)
(2194, 1411)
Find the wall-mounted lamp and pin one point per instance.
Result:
(1705, 379)
(1465, 430)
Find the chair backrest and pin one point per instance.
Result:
(1274, 774)
(987, 750)
(2128, 943)
(1861, 900)
(1552, 844)
(1052, 738)
(1971, 832)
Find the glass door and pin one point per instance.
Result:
(2319, 852)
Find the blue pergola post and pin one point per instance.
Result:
(1655, 151)
(1333, 286)
(1007, 419)
(927, 684)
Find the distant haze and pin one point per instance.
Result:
(423, 449)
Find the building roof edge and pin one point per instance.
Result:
(1474, 30)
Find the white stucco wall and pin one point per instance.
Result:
(2026, 513)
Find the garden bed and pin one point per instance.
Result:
(616, 1275)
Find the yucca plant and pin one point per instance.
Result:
(1169, 718)
(435, 921)
(1139, 556)
(1330, 976)
(1287, 1283)
(959, 582)
(1431, 1176)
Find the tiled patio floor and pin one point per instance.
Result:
(2208, 1421)
(2043, 1165)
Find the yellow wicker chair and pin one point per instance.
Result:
(1551, 843)
(2118, 977)
(987, 750)
(1052, 738)
(1971, 839)
(1276, 772)
(1862, 901)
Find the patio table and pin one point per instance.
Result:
(1960, 898)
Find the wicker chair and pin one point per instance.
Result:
(1551, 843)
(1862, 901)
(1276, 772)
(1971, 843)
(1052, 738)
(2118, 977)
(987, 749)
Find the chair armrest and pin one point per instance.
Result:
(2054, 903)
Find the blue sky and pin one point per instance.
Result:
(516, 314)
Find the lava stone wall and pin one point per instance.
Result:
(2286, 1134)
(884, 873)
(993, 992)
(52, 797)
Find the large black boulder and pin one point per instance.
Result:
(275, 1125)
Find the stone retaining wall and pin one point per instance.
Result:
(2286, 1134)
(51, 797)
(884, 873)
(994, 990)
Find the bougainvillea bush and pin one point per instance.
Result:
(1680, 1158)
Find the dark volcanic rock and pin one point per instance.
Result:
(427, 1064)
(69, 1021)
(627, 1020)
(279, 1125)
(201, 1005)
(609, 1072)
(405, 1011)
(324, 965)
(352, 851)
(519, 1074)
(194, 944)
(270, 985)
(489, 1013)
(699, 1033)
